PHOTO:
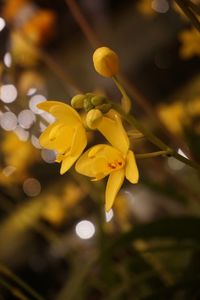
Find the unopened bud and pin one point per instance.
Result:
(98, 100)
(93, 118)
(87, 104)
(106, 62)
(78, 101)
(104, 108)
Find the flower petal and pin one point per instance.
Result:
(61, 111)
(79, 141)
(99, 161)
(57, 136)
(114, 132)
(67, 162)
(131, 171)
(114, 184)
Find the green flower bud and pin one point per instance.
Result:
(104, 108)
(87, 104)
(89, 95)
(78, 101)
(98, 100)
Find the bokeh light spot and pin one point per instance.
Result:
(85, 229)
(160, 6)
(31, 187)
(26, 118)
(8, 93)
(7, 59)
(36, 99)
(2, 24)
(8, 121)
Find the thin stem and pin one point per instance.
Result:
(154, 139)
(194, 7)
(83, 23)
(152, 154)
(6, 272)
(147, 133)
(185, 8)
(13, 290)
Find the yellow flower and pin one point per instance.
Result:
(40, 27)
(106, 62)
(12, 8)
(145, 7)
(23, 53)
(172, 116)
(117, 161)
(190, 40)
(178, 115)
(66, 135)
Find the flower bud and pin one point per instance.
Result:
(98, 100)
(93, 118)
(104, 108)
(87, 104)
(106, 62)
(77, 101)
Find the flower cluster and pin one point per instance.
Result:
(68, 135)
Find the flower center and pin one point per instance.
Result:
(116, 164)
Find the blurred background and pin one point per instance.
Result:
(56, 242)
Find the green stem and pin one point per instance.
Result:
(13, 290)
(194, 7)
(147, 133)
(152, 154)
(154, 139)
(6, 272)
(186, 9)
(125, 101)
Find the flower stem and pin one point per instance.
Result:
(188, 12)
(125, 101)
(147, 133)
(13, 290)
(154, 139)
(152, 154)
(6, 272)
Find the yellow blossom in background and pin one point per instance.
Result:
(23, 53)
(67, 135)
(117, 161)
(72, 195)
(179, 114)
(32, 27)
(17, 154)
(54, 211)
(30, 79)
(190, 43)
(12, 7)
(172, 116)
(145, 7)
(40, 28)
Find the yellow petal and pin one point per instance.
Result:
(61, 111)
(114, 132)
(114, 184)
(67, 162)
(57, 137)
(79, 141)
(99, 161)
(131, 171)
